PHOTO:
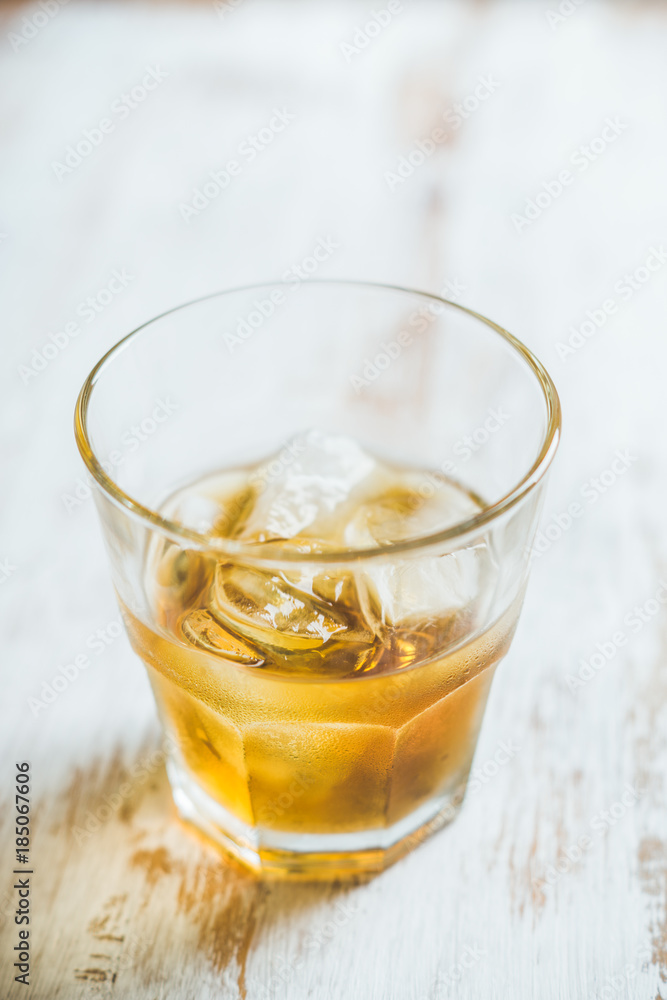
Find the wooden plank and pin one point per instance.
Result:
(127, 901)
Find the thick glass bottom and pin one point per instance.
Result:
(279, 854)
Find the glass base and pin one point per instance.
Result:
(280, 854)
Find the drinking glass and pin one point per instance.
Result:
(322, 693)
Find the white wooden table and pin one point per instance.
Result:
(552, 883)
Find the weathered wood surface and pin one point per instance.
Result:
(140, 907)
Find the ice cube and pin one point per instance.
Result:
(415, 505)
(417, 589)
(180, 577)
(215, 504)
(201, 629)
(310, 489)
(420, 590)
(325, 492)
(268, 609)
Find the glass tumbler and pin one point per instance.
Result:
(318, 500)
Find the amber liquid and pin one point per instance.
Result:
(320, 700)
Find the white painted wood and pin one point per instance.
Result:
(141, 899)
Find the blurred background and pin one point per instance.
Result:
(508, 155)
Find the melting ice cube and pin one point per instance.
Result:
(311, 488)
(325, 492)
(265, 607)
(201, 628)
(418, 588)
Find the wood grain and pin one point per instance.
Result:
(506, 902)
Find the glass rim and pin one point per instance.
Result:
(269, 553)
